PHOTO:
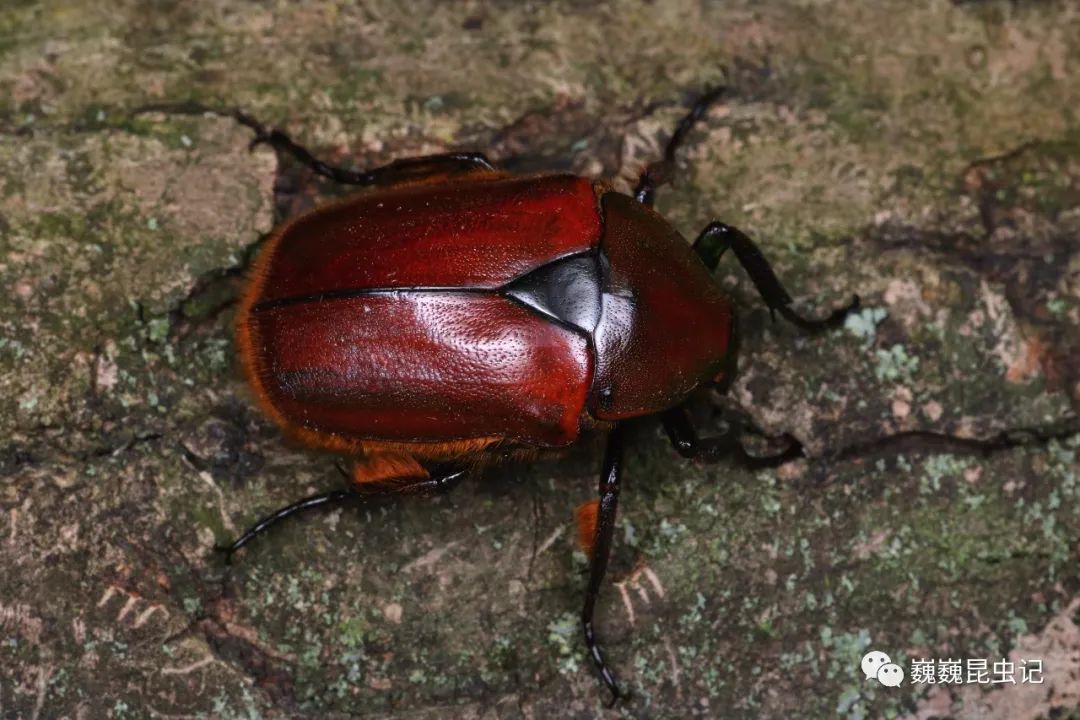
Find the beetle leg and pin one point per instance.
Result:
(659, 173)
(427, 168)
(714, 241)
(686, 441)
(404, 170)
(433, 483)
(601, 550)
(280, 514)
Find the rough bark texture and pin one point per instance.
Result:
(925, 154)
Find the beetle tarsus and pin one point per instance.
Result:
(685, 440)
(401, 170)
(280, 514)
(281, 142)
(605, 528)
(834, 320)
(717, 238)
(597, 657)
(437, 483)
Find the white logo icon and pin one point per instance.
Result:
(890, 675)
(878, 666)
(872, 662)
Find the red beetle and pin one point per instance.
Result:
(456, 313)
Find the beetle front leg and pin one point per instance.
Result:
(601, 551)
(715, 240)
(687, 443)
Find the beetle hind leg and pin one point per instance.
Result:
(417, 169)
(718, 237)
(600, 515)
(330, 498)
(378, 476)
(397, 474)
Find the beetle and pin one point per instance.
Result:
(453, 313)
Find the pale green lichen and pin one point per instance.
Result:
(863, 324)
(896, 364)
(563, 635)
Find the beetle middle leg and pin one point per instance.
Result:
(600, 552)
(436, 482)
(427, 167)
(715, 240)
